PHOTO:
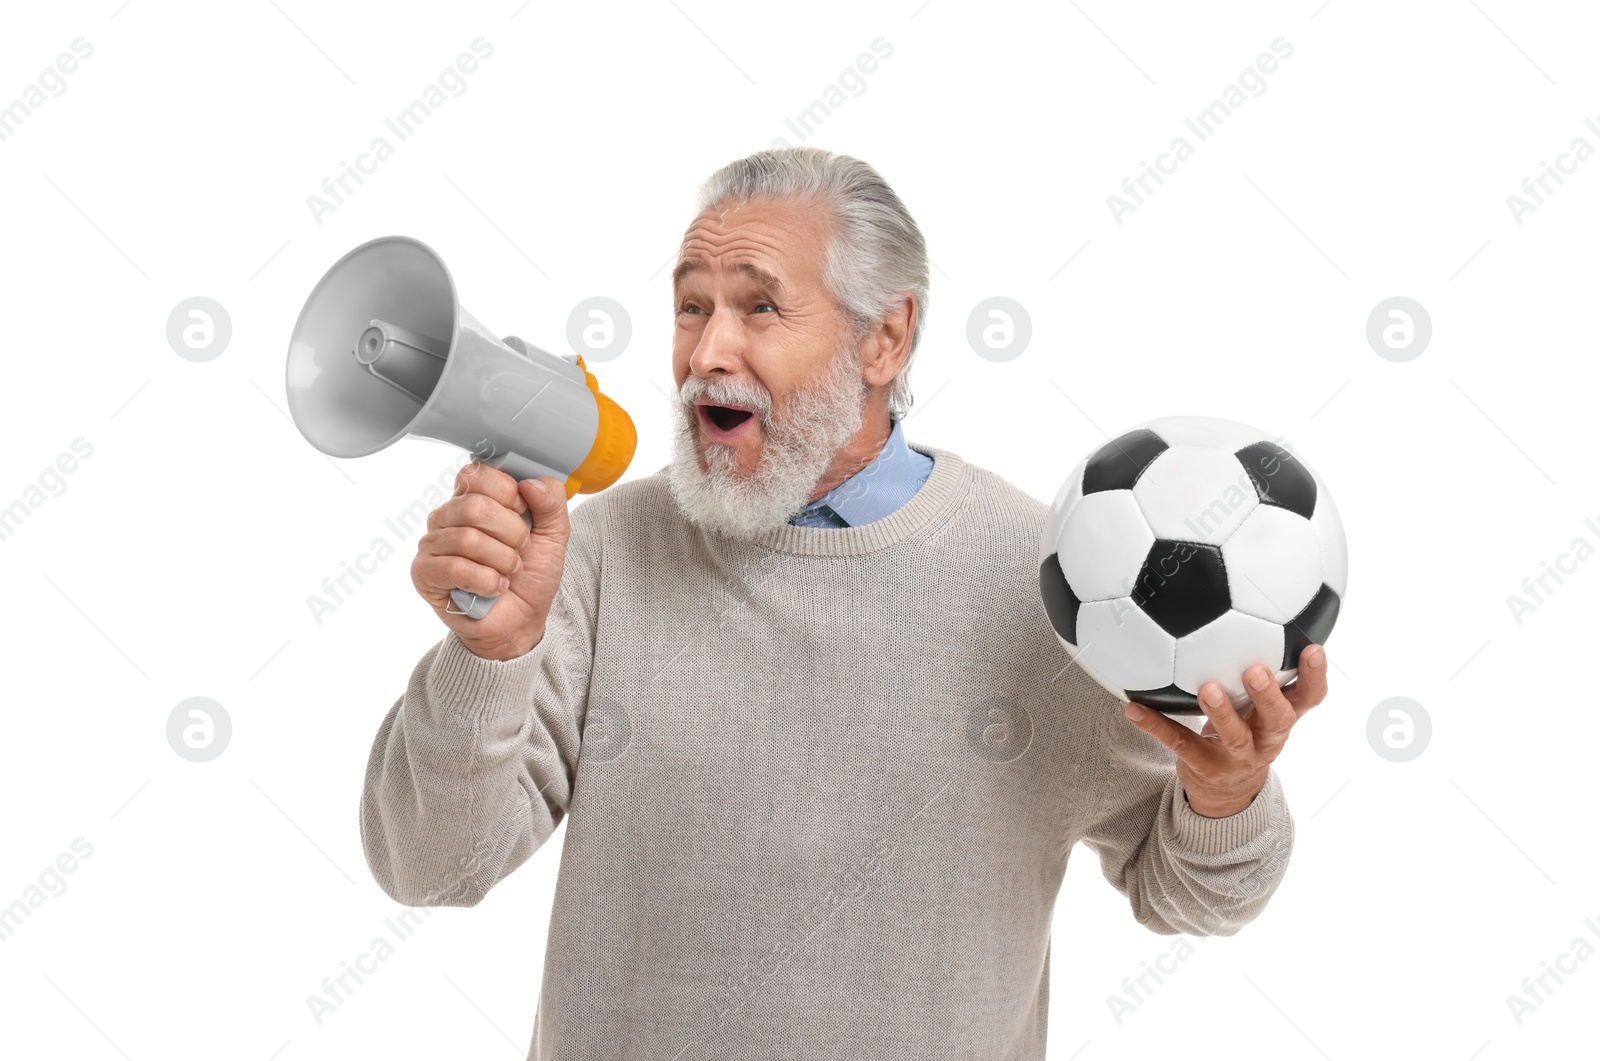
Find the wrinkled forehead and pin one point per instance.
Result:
(777, 245)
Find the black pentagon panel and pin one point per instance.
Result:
(1169, 701)
(1060, 603)
(1279, 479)
(1182, 585)
(1311, 626)
(1118, 464)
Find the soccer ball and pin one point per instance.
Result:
(1188, 550)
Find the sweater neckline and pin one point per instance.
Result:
(933, 497)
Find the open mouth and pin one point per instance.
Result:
(722, 422)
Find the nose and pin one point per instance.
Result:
(720, 346)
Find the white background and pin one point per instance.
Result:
(179, 557)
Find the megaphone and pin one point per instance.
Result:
(384, 349)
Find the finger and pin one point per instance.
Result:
(1181, 739)
(473, 544)
(1234, 732)
(1274, 714)
(473, 509)
(480, 478)
(441, 574)
(1311, 682)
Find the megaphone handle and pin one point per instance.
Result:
(472, 605)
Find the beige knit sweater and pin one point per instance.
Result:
(820, 790)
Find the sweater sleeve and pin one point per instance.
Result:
(472, 767)
(1180, 871)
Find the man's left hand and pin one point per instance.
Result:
(1224, 766)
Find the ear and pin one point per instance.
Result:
(888, 345)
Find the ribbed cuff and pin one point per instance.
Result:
(478, 688)
(1215, 836)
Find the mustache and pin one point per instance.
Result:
(725, 392)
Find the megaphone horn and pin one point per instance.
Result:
(383, 349)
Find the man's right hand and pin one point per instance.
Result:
(479, 541)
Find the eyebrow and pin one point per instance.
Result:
(750, 269)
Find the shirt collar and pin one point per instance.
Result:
(879, 488)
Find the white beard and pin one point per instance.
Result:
(795, 451)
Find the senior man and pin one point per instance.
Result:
(821, 758)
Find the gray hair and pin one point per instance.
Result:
(875, 253)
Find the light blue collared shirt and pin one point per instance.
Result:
(894, 475)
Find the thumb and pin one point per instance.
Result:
(547, 504)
